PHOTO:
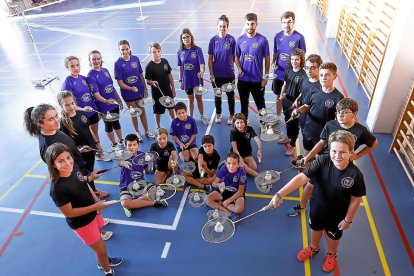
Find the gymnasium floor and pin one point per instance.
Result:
(34, 237)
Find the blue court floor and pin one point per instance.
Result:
(34, 237)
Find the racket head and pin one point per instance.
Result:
(197, 199)
(110, 117)
(137, 187)
(133, 112)
(189, 166)
(161, 192)
(217, 92)
(228, 87)
(265, 179)
(144, 158)
(216, 213)
(218, 230)
(270, 136)
(167, 101)
(200, 90)
(270, 76)
(120, 154)
(146, 102)
(176, 180)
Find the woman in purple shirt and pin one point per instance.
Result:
(128, 73)
(220, 63)
(191, 70)
(107, 99)
(77, 84)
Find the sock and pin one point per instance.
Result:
(108, 272)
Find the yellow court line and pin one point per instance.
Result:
(36, 176)
(376, 237)
(15, 184)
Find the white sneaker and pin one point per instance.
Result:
(150, 134)
(106, 235)
(139, 136)
(204, 120)
(106, 221)
(218, 118)
(230, 120)
(115, 147)
(104, 158)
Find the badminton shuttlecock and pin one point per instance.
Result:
(167, 100)
(260, 160)
(215, 214)
(263, 112)
(229, 86)
(147, 157)
(218, 227)
(176, 180)
(271, 75)
(131, 110)
(108, 115)
(268, 176)
(200, 88)
(269, 131)
(135, 186)
(160, 192)
(196, 197)
(202, 174)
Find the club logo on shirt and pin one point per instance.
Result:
(255, 45)
(80, 177)
(231, 189)
(132, 79)
(165, 67)
(247, 135)
(193, 54)
(188, 66)
(84, 119)
(187, 126)
(91, 87)
(86, 98)
(296, 79)
(235, 178)
(136, 175)
(109, 88)
(292, 43)
(166, 153)
(347, 182)
(140, 162)
(106, 75)
(284, 57)
(226, 46)
(243, 179)
(134, 64)
(184, 138)
(329, 103)
(249, 58)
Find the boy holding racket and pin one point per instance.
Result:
(346, 112)
(184, 132)
(208, 160)
(137, 170)
(231, 183)
(339, 187)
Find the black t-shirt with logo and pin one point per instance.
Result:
(73, 190)
(159, 72)
(333, 187)
(212, 161)
(163, 155)
(242, 140)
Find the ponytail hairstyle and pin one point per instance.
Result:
(34, 116)
(65, 120)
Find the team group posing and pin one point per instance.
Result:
(304, 90)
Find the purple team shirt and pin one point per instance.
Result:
(222, 50)
(126, 177)
(251, 52)
(130, 73)
(190, 60)
(80, 89)
(232, 180)
(101, 82)
(283, 47)
(183, 130)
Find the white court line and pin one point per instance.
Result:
(165, 250)
(180, 208)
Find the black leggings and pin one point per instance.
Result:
(257, 91)
(230, 96)
(292, 128)
(89, 159)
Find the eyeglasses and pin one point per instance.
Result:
(288, 22)
(185, 36)
(310, 67)
(343, 113)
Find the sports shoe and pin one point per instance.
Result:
(113, 262)
(150, 134)
(121, 142)
(106, 235)
(290, 151)
(330, 262)
(139, 136)
(128, 212)
(218, 118)
(204, 120)
(106, 221)
(110, 273)
(161, 203)
(115, 147)
(306, 253)
(284, 140)
(102, 158)
(233, 216)
(230, 120)
(295, 210)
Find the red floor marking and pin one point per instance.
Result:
(16, 231)
(374, 164)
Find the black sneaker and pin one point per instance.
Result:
(161, 203)
(113, 262)
(295, 210)
(111, 273)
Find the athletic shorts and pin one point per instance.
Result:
(228, 194)
(94, 119)
(190, 147)
(330, 225)
(277, 86)
(189, 91)
(90, 233)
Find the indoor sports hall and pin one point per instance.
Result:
(34, 236)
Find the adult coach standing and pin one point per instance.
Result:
(251, 49)
(284, 43)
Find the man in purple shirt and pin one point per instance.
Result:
(251, 49)
(284, 43)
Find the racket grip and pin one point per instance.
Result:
(102, 171)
